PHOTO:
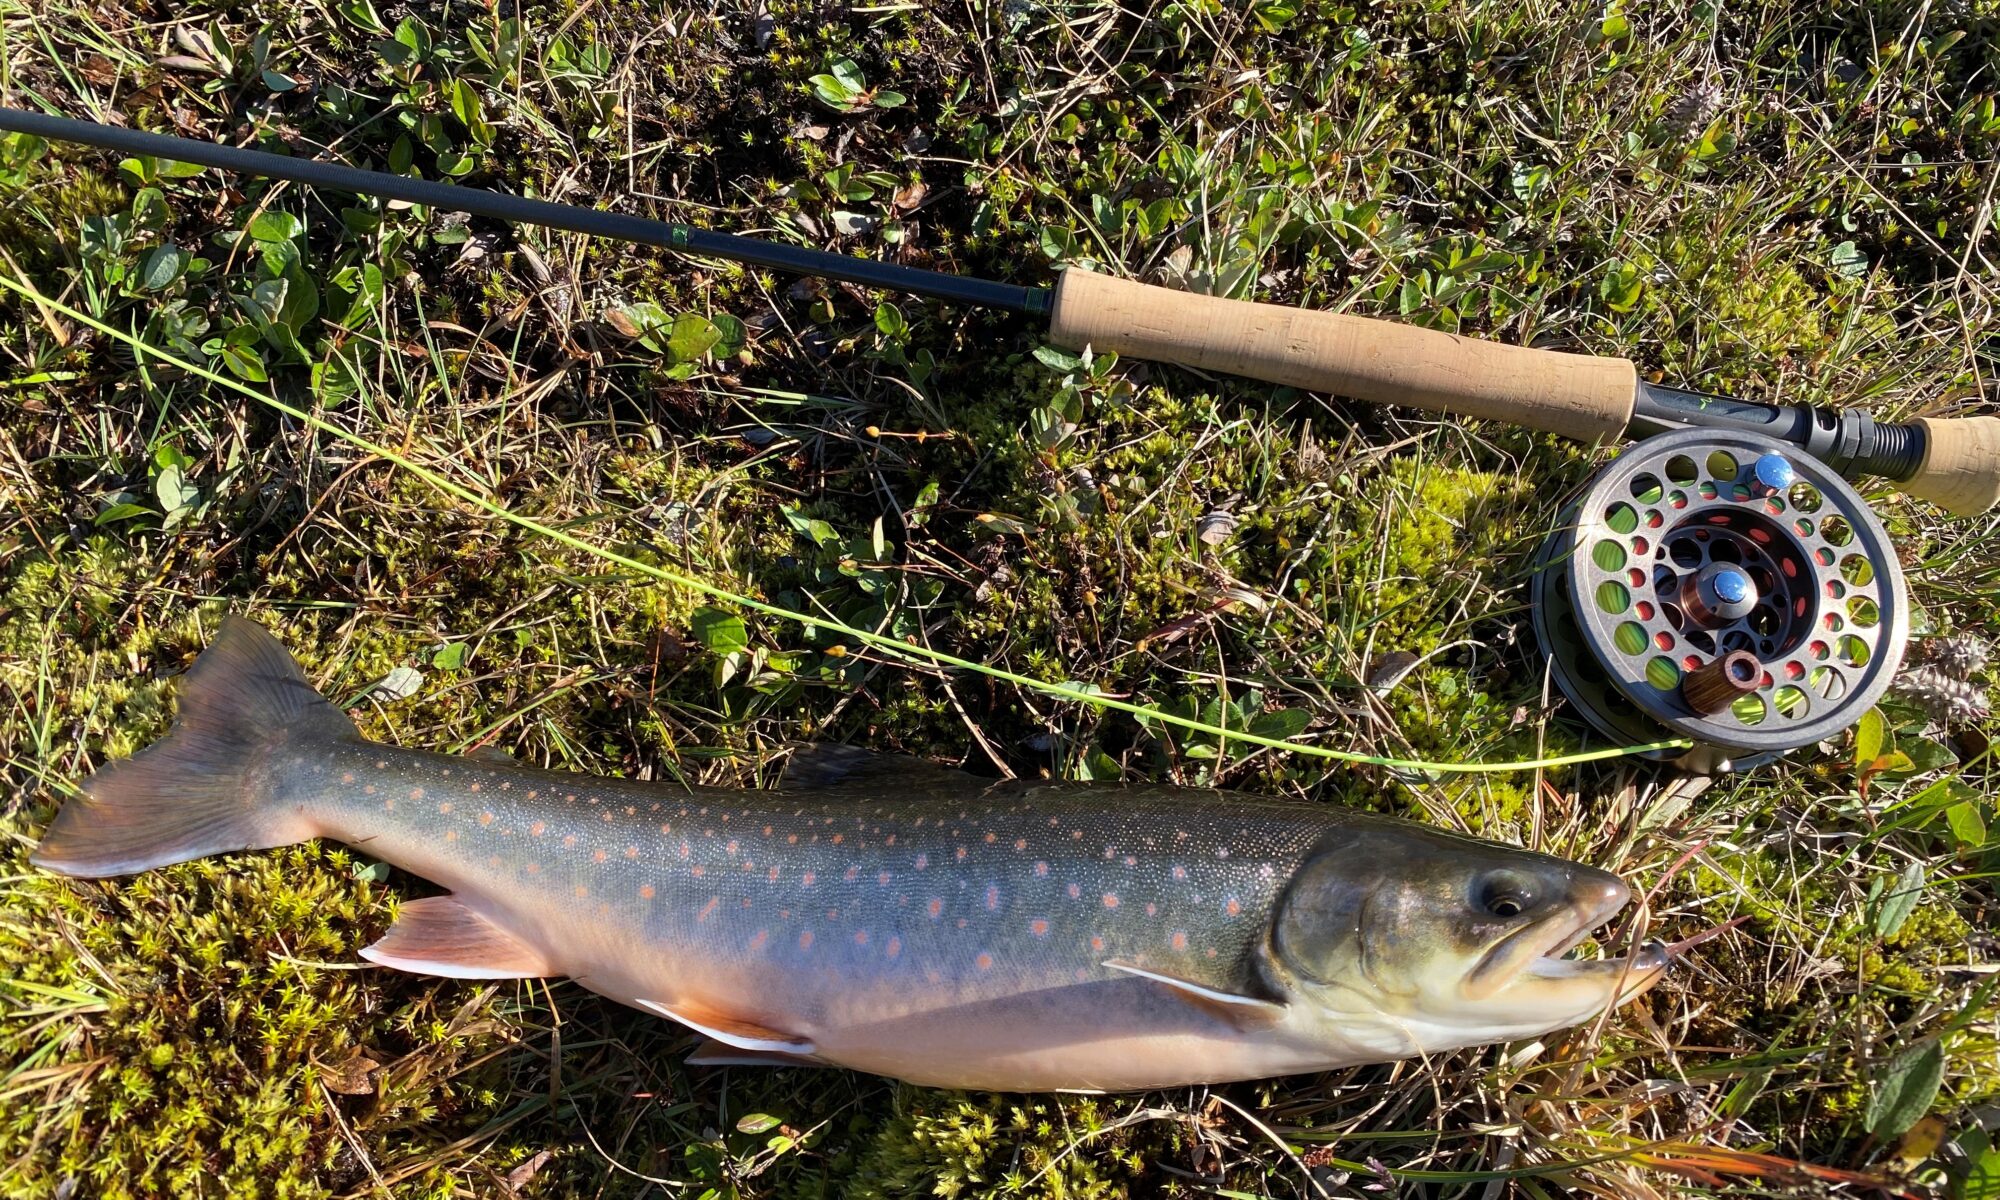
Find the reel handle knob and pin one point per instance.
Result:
(1961, 467)
(1717, 684)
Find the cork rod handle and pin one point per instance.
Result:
(1961, 468)
(1575, 395)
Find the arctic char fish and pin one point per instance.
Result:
(888, 915)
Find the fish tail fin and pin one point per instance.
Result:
(206, 787)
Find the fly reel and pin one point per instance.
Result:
(1722, 587)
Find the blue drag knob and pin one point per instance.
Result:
(1774, 472)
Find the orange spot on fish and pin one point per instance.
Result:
(532, 793)
(935, 908)
(537, 829)
(1041, 870)
(791, 839)
(1131, 861)
(772, 875)
(534, 868)
(992, 898)
(807, 879)
(989, 839)
(1020, 843)
(923, 861)
(1110, 900)
(1233, 907)
(1097, 944)
(1179, 939)
(581, 891)
(767, 831)
(451, 835)
(960, 854)
(492, 860)
(894, 947)
(1075, 892)
(416, 793)
(806, 940)
(1180, 872)
(347, 777)
(445, 808)
(1038, 927)
(381, 764)
(666, 827)
(1152, 910)
(882, 879)
(569, 839)
(984, 961)
(645, 891)
(708, 910)
(475, 787)
(698, 871)
(861, 937)
(598, 856)
(631, 852)
(758, 939)
(486, 818)
(833, 914)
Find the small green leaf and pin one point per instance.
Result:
(1869, 735)
(1968, 825)
(277, 81)
(451, 656)
(758, 1123)
(1905, 1089)
(274, 226)
(1848, 260)
(1281, 724)
(1057, 359)
(884, 98)
(168, 457)
(173, 491)
(464, 102)
(1900, 902)
(718, 631)
(692, 336)
(124, 510)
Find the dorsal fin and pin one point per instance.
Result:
(731, 1029)
(1245, 1011)
(491, 754)
(830, 765)
(439, 935)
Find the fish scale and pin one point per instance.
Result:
(887, 914)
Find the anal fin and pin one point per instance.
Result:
(714, 1053)
(742, 1033)
(1246, 1012)
(440, 935)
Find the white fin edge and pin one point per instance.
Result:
(1213, 995)
(740, 1041)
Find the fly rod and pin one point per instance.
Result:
(1954, 462)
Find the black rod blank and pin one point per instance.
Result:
(500, 206)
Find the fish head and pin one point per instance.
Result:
(1451, 940)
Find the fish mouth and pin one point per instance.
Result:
(1534, 956)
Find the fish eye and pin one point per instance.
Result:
(1505, 894)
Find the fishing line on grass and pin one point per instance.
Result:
(892, 647)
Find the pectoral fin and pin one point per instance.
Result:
(439, 935)
(731, 1030)
(1245, 1011)
(714, 1053)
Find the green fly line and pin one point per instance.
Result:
(908, 652)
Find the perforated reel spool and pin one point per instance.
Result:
(1702, 542)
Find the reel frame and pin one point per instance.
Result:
(1695, 548)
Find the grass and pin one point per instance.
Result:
(1761, 200)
